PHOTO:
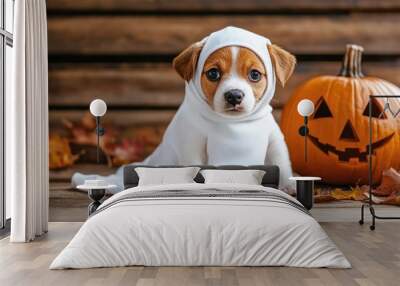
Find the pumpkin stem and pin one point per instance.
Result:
(351, 66)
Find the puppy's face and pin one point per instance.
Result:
(233, 80)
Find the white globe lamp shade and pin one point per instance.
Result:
(305, 107)
(98, 107)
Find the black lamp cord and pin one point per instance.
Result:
(99, 132)
(305, 137)
(98, 137)
(303, 131)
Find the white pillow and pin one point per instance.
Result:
(165, 176)
(248, 177)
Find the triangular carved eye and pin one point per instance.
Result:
(377, 110)
(322, 109)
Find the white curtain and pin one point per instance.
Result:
(27, 124)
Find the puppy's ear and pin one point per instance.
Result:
(283, 61)
(185, 62)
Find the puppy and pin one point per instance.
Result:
(226, 117)
(234, 80)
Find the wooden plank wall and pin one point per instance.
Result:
(121, 50)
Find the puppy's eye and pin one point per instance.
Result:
(254, 75)
(213, 74)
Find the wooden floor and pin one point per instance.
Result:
(375, 257)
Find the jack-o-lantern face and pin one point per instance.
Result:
(339, 127)
(349, 134)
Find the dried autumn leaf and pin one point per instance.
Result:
(393, 199)
(60, 155)
(88, 121)
(324, 199)
(83, 136)
(359, 193)
(322, 196)
(390, 183)
(128, 151)
(356, 194)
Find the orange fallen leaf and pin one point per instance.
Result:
(60, 155)
(355, 193)
(393, 199)
(324, 199)
(390, 183)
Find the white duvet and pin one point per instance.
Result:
(188, 231)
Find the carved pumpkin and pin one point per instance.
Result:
(338, 129)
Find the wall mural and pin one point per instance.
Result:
(128, 64)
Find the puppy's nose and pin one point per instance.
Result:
(234, 96)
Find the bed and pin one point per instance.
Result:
(198, 224)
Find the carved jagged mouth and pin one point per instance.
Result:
(350, 153)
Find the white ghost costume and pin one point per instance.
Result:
(199, 135)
